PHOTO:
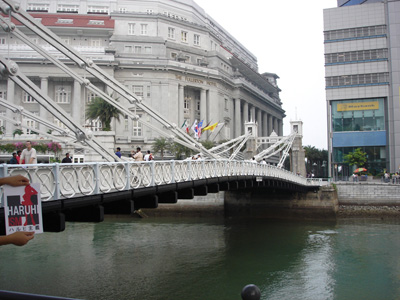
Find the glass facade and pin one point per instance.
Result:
(376, 157)
(353, 124)
(358, 115)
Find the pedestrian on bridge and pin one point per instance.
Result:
(13, 160)
(66, 159)
(139, 155)
(118, 152)
(28, 155)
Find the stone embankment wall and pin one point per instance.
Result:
(368, 194)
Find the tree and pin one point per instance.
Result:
(160, 145)
(356, 158)
(179, 149)
(102, 110)
(316, 159)
(208, 144)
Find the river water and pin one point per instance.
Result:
(209, 259)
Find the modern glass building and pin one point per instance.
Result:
(362, 53)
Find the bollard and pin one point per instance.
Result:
(251, 292)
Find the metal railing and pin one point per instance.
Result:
(63, 181)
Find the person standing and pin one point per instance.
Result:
(148, 156)
(118, 153)
(66, 159)
(13, 160)
(19, 156)
(28, 155)
(139, 155)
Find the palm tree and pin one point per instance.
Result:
(160, 145)
(100, 109)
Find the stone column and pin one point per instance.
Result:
(203, 106)
(238, 122)
(9, 128)
(76, 105)
(259, 122)
(253, 114)
(245, 117)
(276, 125)
(180, 105)
(44, 87)
(280, 126)
(270, 124)
(265, 124)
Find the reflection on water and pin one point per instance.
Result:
(125, 258)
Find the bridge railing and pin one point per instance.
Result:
(63, 181)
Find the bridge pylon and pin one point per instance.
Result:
(283, 145)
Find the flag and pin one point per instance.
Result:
(199, 128)
(208, 124)
(194, 128)
(184, 123)
(185, 126)
(211, 127)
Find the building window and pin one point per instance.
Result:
(226, 104)
(92, 9)
(355, 33)
(95, 42)
(186, 103)
(358, 115)
(184, 35)
(137, 127)
(171, 33)
(131, 28)
(42, 7)
(3, 94)
(59, 123)
(31, 124)
(138, 49)
(143, 29)
(90, 96)
(147, 50)
(94, 125)
(197, 105)
(196, 40)
(66, 8)
(148, 91)
(128, 49)
(356, 56)
(173, 55)
(126, 122)
(65, 21)
(357, 80)
(28, 98)
(122, 10)
(63, 94)
(96, 22)
(137, 90)
(3, 41)
(149, 11)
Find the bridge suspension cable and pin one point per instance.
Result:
(52, 39)
(281, 144)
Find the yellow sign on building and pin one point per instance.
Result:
(358, 106)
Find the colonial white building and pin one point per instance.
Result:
(170, 53)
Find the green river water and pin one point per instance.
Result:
(209, 259)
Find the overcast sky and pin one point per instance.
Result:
(286, 36)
